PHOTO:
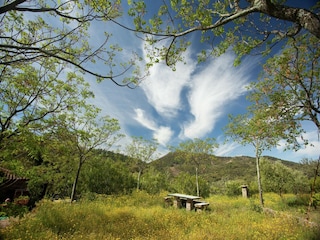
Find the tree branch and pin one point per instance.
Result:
(303, 17)
(10, 6)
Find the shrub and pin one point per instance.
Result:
(13, 210)
(233, 188)
(297, 200)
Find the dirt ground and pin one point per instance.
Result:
(4, 223)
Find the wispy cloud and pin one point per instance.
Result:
(211, 91)
(163, 87)
(226, 149)
(161, 133)
(144, 120)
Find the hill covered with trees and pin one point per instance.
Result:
(216, 168)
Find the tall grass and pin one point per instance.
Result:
(143, 216)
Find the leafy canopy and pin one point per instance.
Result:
(61, 31)
(247, 26)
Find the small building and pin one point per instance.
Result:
(12, 186)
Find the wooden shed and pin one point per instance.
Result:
(12, 186)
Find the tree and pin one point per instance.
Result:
(184, 182)
(88, 131)
(60, 160)
(43, 158)
(245, 25)
(290, 85)
(31, 94)
(60, 32)
(153, 181)
(196, 152)
(142, 152)
(290, 88)
(104, 175)
(259, 130)
(281, 179)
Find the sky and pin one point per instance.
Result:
(192, 102)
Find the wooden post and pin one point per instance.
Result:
(245, 192)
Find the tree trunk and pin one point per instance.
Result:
(74, 187)
(259, 177)
(313, 186)
(138, 180)
(197, 183)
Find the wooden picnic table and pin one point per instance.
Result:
(180, 199)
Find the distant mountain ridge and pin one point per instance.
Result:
(216, 168)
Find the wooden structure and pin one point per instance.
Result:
(187, 201)
(12, 186)
(245, 191)
(200, 206)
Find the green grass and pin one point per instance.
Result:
(143, 216)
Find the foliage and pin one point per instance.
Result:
(289, 89)
(60, 33)
(281, 179)
(258, 129)
(141, 151)
(153, 181)
(144, 217)
(87, 131)
(246, 26)
(33, 93)
(197, 153)
(13, 210)
(184, 183)
(233, 188)
(297, 200)
(106, 176)
(220, 170)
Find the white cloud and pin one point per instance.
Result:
(160, 133)
(163, 86)
(309, 151)
(226, 149)
(144, 120)
(163, 135)
(211, 91)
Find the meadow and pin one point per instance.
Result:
(143, 216)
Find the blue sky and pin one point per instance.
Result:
(192, 102)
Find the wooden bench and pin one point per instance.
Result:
(168, 201)
(199, 206)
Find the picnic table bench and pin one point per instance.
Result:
(201, 206)
(190, 202)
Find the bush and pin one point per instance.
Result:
(186, 183)
(297, 200)
(255, 207)
(13, 210)
(153, 181)
(233, 188)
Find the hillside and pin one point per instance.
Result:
(216, 168)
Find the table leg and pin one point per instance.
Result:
(189, 205)
(177, 202)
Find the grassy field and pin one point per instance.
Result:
(143, 216)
